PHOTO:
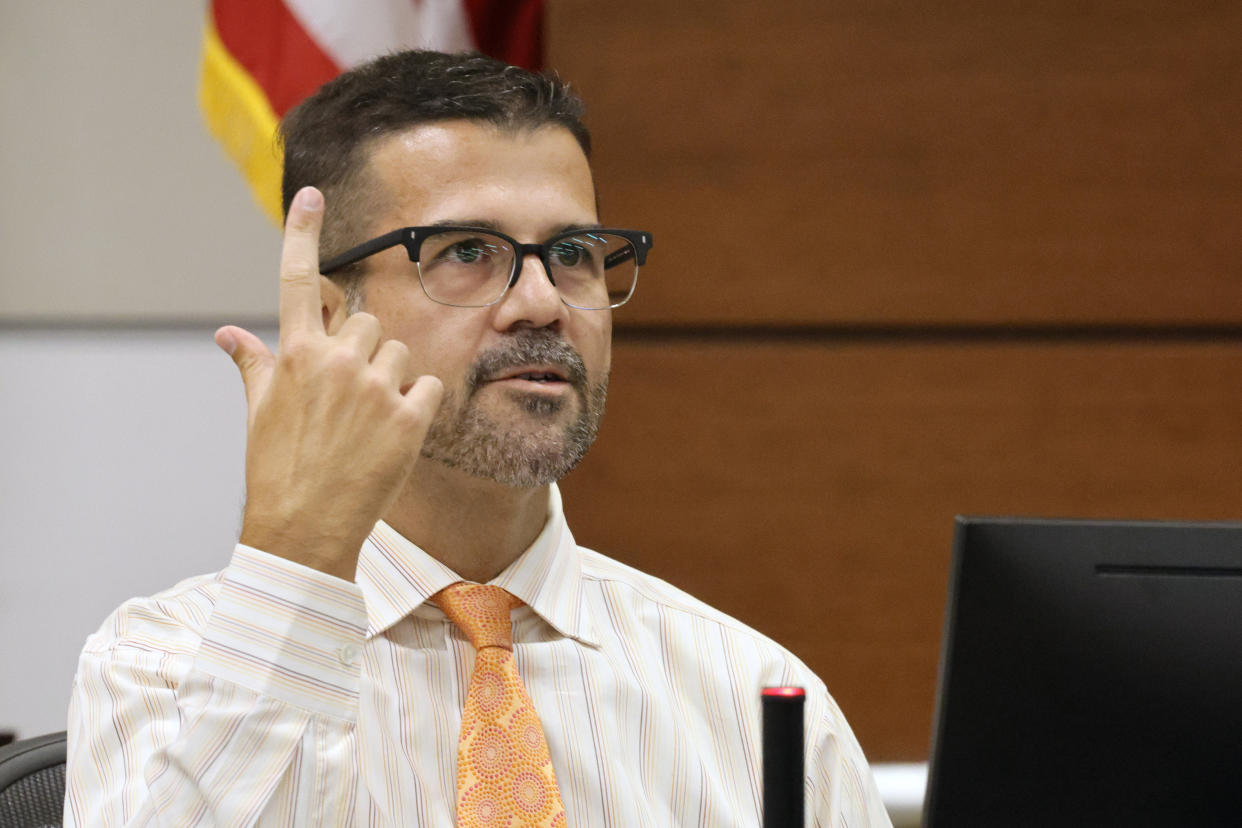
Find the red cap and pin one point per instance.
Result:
(784, 691)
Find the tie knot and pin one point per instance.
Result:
(481, 611)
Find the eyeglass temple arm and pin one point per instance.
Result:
(616, 257)
(363, 250)
(635, 249)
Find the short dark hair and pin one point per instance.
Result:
(328, 136)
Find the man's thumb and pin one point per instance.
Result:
(253, 359)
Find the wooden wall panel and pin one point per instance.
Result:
(928, 162)
(809, 488)
(866, 172)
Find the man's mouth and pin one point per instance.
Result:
(542, 375)
(530, 360)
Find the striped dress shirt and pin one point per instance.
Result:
(273, 694)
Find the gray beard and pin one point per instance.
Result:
(463, 437)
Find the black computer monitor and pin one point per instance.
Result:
(1090, 675)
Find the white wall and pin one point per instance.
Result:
(126, 238)
(123, 473)
(115, 203)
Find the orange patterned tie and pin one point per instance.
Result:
(504, 772)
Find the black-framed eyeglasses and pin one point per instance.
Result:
(473, 267)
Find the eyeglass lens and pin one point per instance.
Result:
(591, 270)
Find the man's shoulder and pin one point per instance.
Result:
(168, 622)
(650, 596)
(644, 586)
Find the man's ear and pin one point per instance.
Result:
(334, 310)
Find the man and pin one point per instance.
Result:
(406, 438)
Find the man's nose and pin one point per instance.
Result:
(533, 301)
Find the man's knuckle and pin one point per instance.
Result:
(410, 418)
(341, 362)
(296, 269)
(399, 351)
(300, 222)
(376, 385)
(368, 322)
(294, 351)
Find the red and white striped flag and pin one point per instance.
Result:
(262, 57)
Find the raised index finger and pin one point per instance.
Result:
(300, 300)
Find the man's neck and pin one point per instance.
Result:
(473, 526)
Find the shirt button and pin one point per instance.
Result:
(349, 653)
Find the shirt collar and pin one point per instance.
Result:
(397, 577)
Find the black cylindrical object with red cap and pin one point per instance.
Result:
(784, 771)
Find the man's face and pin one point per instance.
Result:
(501, 418)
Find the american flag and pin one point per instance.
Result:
(262, 57)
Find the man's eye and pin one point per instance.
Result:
(467, 252)
(569, 254)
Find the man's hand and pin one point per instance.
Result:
(332, 434)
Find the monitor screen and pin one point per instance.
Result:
(1090, 674)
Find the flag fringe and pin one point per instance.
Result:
(241, 119)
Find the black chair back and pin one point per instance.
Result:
(32, 782)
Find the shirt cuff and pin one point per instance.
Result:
(287, 631)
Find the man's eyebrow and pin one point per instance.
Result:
(488, 224)
(482, 224)
(574, 228)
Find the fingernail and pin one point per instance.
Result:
(309, 198)
(227, 341)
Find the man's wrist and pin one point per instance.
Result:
(331, 555)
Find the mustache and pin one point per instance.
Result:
(534, 346)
